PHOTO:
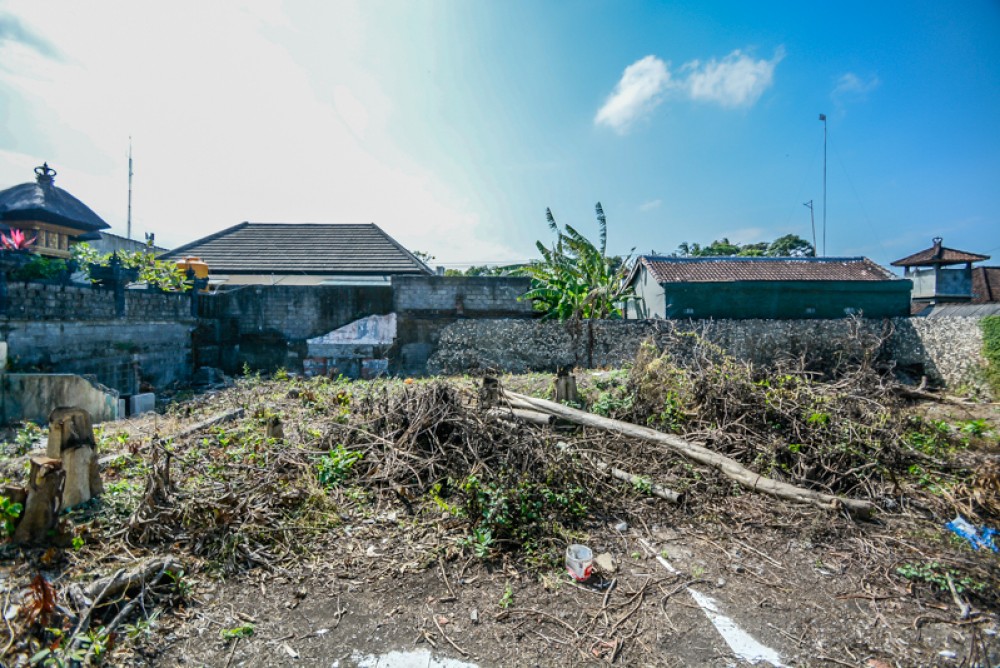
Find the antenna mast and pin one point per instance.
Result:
(812, 221)
(822, 117)
(128, 232)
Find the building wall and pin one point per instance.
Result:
(947, 350)
(651, 302)
(955, 282)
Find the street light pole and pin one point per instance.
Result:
(822, 117)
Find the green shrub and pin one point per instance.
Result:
(991, 351)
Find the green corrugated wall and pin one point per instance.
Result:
(787, 299)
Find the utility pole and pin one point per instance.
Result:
(812, 221)
(822, 117)
(128, 231)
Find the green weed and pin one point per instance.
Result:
(936, 575)
(335, 467)
(244, 631)
(9, 512)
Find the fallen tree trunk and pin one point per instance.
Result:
(205, 424)
(640, 482)
(728, 467)
(531, 417)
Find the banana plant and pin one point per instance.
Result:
(575, 278)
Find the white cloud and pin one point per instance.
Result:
(851, 85)
(650, 205)
(737, 80)
(638, 92)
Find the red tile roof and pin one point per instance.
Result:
(938, 254)
(985, 285)
(727, 269)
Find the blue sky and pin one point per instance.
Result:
(453, 125)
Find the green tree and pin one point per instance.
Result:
(575, 278)
(790, 245)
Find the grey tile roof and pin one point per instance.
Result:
(302, 248)
(728, 269)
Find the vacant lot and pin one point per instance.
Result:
(320, 522)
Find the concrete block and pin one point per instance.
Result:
(142, 403)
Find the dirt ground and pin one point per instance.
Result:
(817, 588)
(814, 604)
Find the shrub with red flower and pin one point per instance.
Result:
(17, 240)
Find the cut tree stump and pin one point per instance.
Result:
(40, 517)
(566, 387)
(71, 439)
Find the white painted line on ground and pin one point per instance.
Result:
(740, 642)
(420, 658)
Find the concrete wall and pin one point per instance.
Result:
(461, 295)
(426, 305)
(267, 327)
(122, 340)
(31, 397)
(947, 350)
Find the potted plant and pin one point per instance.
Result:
(112, 272)
(15, 250)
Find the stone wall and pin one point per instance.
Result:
(947, 350)
(124, 339)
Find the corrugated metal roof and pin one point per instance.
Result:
(938, 254)
(728, 269)
(985, 285)
(302, 248)
(44, 202)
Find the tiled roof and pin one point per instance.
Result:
(44, 202)
(727, 269)
(938, 254)
(302, 248)
(985, 285)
